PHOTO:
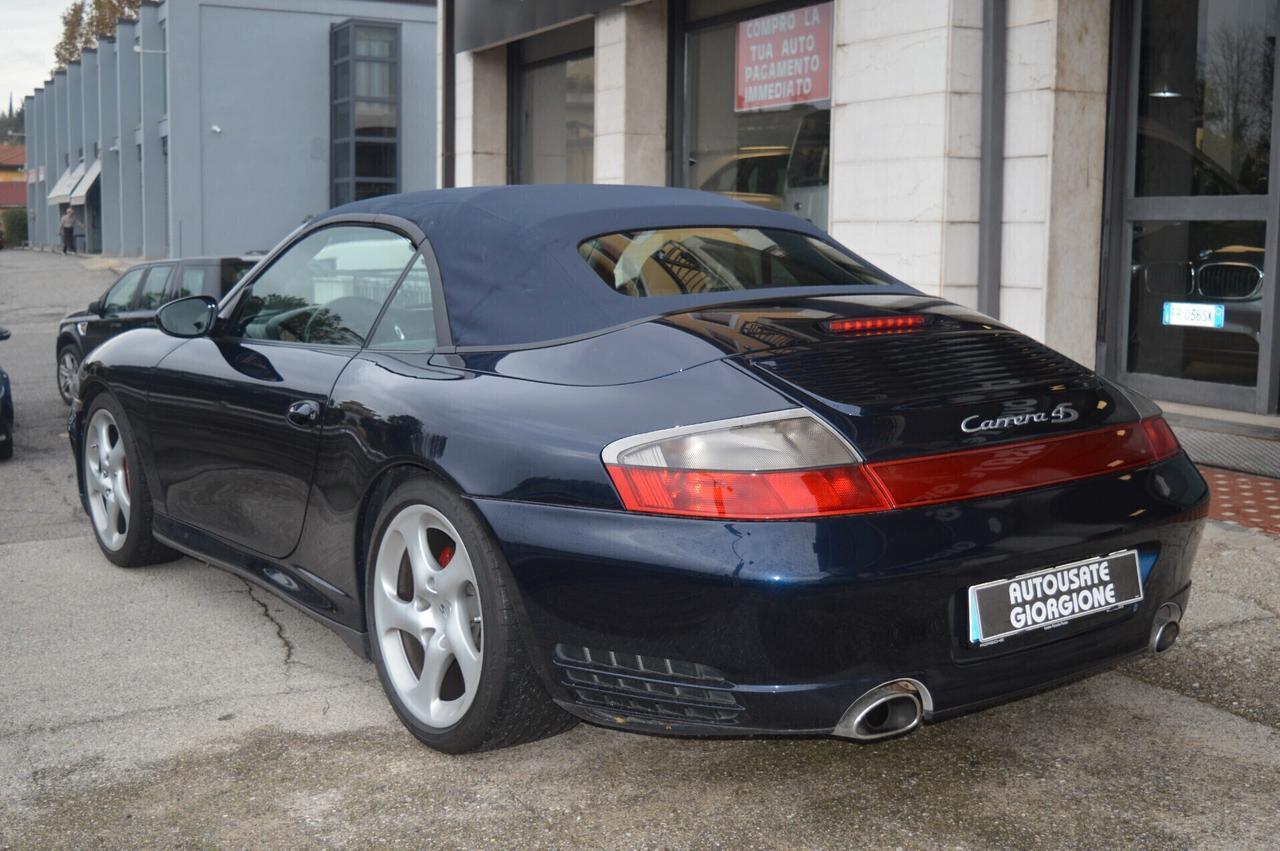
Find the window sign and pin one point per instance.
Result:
(784, 59)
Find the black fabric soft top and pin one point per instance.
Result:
(509, 261)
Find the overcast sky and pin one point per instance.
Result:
(28, 31)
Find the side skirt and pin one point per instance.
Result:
(305, 591)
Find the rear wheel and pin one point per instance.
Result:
(115, 490)
(69, 372)
(443, 629)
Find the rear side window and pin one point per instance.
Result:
(193, 281)
(152, 295)
(409, 323)
(702, 260)
(327, 288)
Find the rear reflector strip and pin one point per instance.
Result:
(1013, 467)
(886, 485)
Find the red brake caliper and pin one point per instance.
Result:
(128, 482)
(446, 556)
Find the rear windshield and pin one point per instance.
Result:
(699, 260)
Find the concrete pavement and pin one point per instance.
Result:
(173, 706)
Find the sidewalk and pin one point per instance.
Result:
(1249, 501)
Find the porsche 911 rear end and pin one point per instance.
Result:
(947, 514)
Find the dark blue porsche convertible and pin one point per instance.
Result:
(646, 457)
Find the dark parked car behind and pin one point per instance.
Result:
(132, 302)
(6, 409)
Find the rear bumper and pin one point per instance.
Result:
(708, 627)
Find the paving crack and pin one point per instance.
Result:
(266, 613)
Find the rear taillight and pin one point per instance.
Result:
(770, 467)
(789, 465)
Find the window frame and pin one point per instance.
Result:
(142, 275)
(233, 304)
(678, 78)
(136, 302)
(444, 338)
(517, 65)
(350, 179)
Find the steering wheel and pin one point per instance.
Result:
(346, 312)
(285, 321)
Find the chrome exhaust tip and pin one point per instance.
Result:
(888, 710)
(1165, 628)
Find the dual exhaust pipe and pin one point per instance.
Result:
(898, 706)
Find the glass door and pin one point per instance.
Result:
(1193, 303)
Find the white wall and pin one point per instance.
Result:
(905, 139)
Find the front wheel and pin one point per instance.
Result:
(115, 490)
(69, 372)
(443, 630)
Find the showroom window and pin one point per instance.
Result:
(755, 104)
(365, 119)
(1191, 304)
(553, 106)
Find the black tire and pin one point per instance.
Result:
(510, 706)
(139, 547)
(74, 351)
(6, 445)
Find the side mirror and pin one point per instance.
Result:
(4, 334)
(192, 316)
(95, 306)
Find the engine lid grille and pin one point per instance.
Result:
(893, 369)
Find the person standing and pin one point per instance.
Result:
(68, 225)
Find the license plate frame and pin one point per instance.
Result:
(1123, 570)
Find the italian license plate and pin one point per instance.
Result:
(1053, 596)
(1193, 315)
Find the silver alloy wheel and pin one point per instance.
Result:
(106, 479)
(69, 374)
(427, 616)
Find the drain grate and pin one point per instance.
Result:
(1231, 451)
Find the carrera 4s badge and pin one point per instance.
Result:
(1062, 413)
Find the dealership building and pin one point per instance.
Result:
(217, 126)
(1092, 172)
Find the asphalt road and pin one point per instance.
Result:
(173, 706)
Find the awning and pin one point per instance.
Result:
(61, 191)
(86, 183)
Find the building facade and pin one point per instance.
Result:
(1092, 172)
(217, 126)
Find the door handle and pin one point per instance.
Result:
(304, 414)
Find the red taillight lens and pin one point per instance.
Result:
(1013, 467)
(875, 324)
(1161, 437)
(767, 495)
(852, 488)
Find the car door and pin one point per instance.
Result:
(236, 418)
(151, 296)
(117, 301)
